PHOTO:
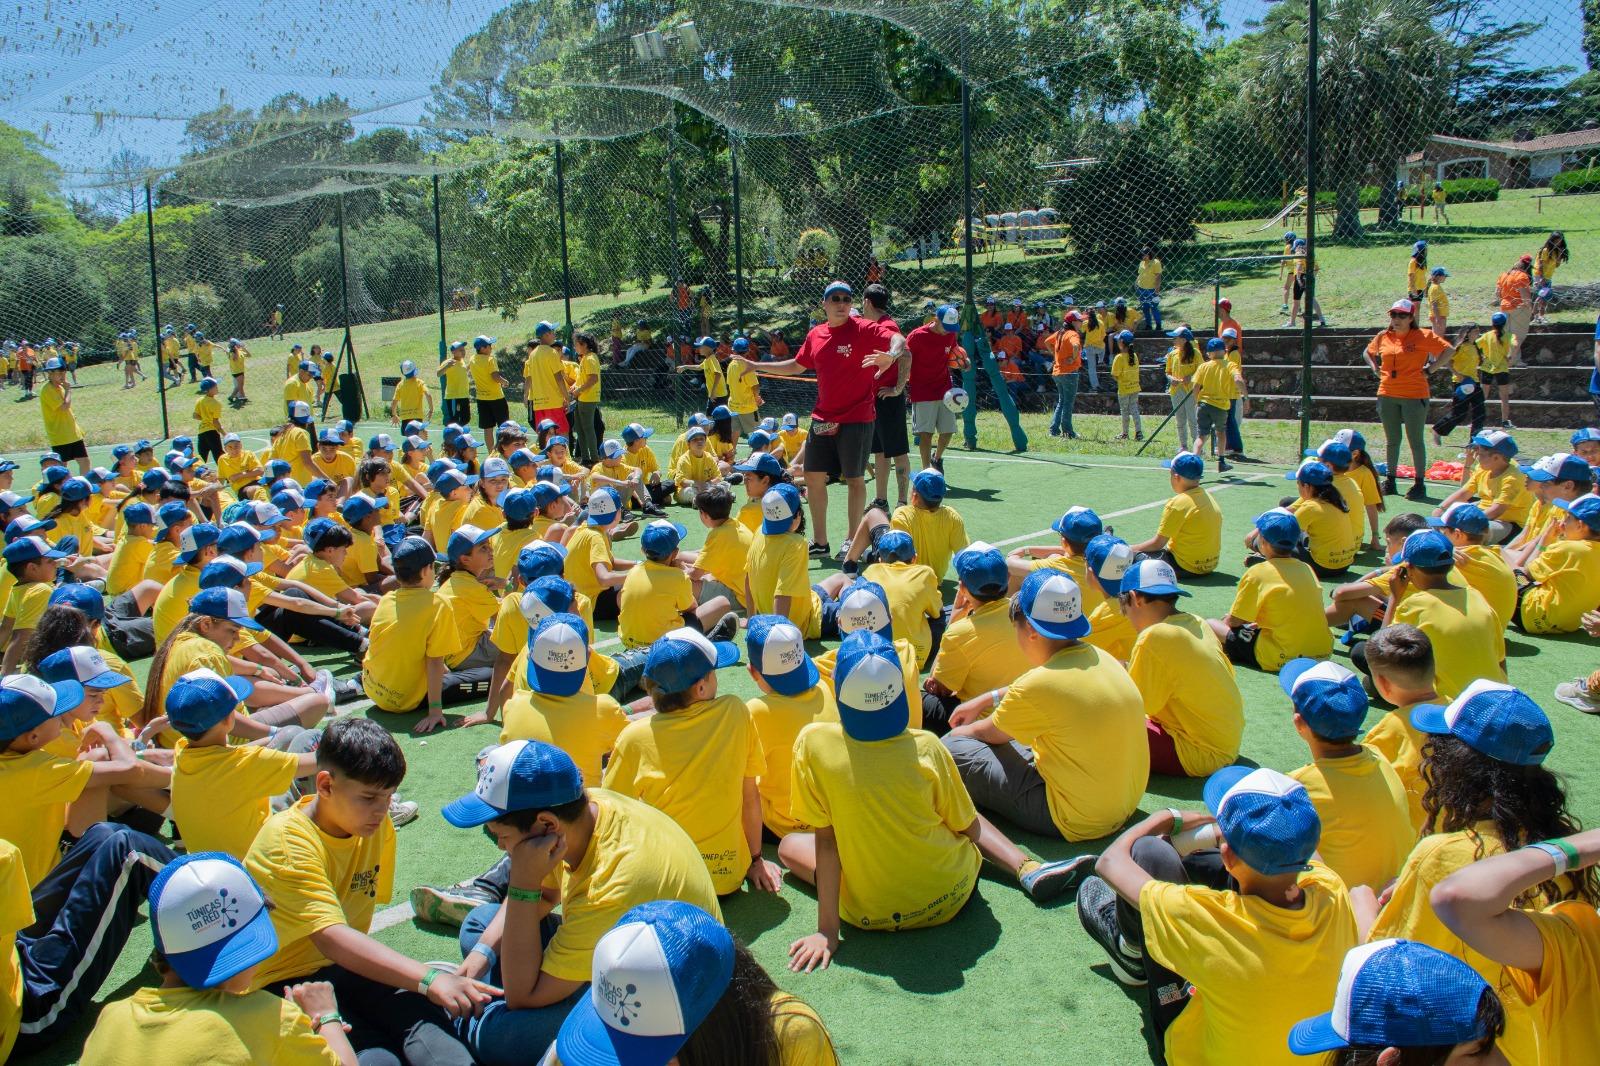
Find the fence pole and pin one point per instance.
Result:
(738, 238)
(155, 306)
(561, 211)
(1216, 301)
(966, 185)
(1306, 339)
(672, 204)
(438, 266)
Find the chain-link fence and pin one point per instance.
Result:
(653, 173)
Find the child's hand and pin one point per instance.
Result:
(1591, 623)
(433, 721)
(316, 998)
(812, 952)
(461, 997)
(477, 718)
(533, 857)
(764, 876)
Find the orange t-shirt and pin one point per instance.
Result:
(1068, 351)
(1401, 361)
(1509, 286)
(1018, 320)
(780, 348)
(683, 296)
(1010, 344)
(991, 319)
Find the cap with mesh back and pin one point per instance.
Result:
(1493, 718)
(1396, 993)
(1266, 818)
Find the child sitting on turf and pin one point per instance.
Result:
(197, 547)
(936, 528)
(916, 609)
(1077, 527)
(1194, 714)
(1106, 560)
(1479, 566)
(1328, 542)
(657, 595)
(1231, 945)
(519, 507)
(1400, 664)
(326, 543)
(697, 759)
(483, 507)
(331, 462)
(591, 567)
(979, 652)
(553, 706)
(614, 472)
(76, 616)
(1063, 753)
(469, 590)
(1189, 535)
(223, 793)
(1360, 604)
(1488, 792)
(1366, 829)
(453, 491)
(897, 843)
(695, 470)
(555, 515)
(366, 565)
(718, 567)
(1496, 486)
(1468, 639)
(32, 563)
(1276, 613)
(776, 574)
(212, 929)
(1335, 455)
(760, 477)
(1365, 474)
(327, 863)
(792, 697)
(1564, 578)
(1561, 476)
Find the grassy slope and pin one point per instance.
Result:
(1001, 959)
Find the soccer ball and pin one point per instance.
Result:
(957, 400)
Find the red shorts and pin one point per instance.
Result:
(558, 415)
(1163, 753)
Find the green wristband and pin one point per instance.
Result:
(523, 895)
(427, 980)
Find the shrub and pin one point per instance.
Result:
(1471, 190)
(1573, 181)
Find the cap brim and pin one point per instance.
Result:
(1291, 672)
(1315, 1035)
(555, 682)
(1218, 784)
(109, 679)
(773, 527)
(876, 725)
(248, 623)
(1076, 629)
(727, 653)
(1429, 718)
(210, 966)
(585, 1040)
(802, 678)
(469, 811)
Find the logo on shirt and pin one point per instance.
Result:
(843, 350)
(622, 1001)
(223, 909)
(365, 882)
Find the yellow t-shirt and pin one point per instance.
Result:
(540, 374)
(1077, 568)
(1282, 596)
(410, 399)
(446, 518)
(587, 547)
(407, 620)
(60, 423)
(690, 468)
(791, 441)
(1409, 915)
(1366, 824)
(508, 544)
(336, 469)
(1149, 273)
(222, 795)
(692, 764)
(236, 469)
(296, 390)
(161, 562)
(1084, 719)
(1192, 524)
(1188, 686)
(38, 786)
(320, 575)
(778, 720)
(1329, 536)
(1180, 367)
(778, 565)
(937, 535)
(208, 413)
(743, 385)
(1215, 385)
(1563, 992)
(913, 593)
(802, 1038)
(203, 353)
(1110, 630)
(1508, 487)
(898, 809)
(16, 914)
(724, 554)
(1482, 568)
(125, 701)
(360, 559)
(589, 366)
(1438, 300)
(76, 524)
(980, 652)
(750, 516)
(473, 607)
(482, 513)
(636, 855)
(1257, 969)
(1350, 493)
(457, 379)
(293, 443)
(584, 725)
(483, 368)
(1496, 352)
(1567, 573)
(1399, 743)
(172, 603)
(1464, 362)
(654, 597)
(716, 383)
(1468, 639)
(1125, 372)
(26, 604)
(317, 881)
(185, 1025)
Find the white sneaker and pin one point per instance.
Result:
(323, 683)
(402, 811)
(1575, 693)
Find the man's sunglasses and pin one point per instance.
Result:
(841, 298)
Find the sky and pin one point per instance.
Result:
(70, 65)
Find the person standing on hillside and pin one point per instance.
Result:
(490, 385)
(1515, 290)
(544, 381)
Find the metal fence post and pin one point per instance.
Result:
(155, 307)
(438, 266)
(738, 238)
(1306, 339)
(561, 211)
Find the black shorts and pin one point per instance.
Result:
(458, 411)
(1299, 286)
(889, 437)
(1240, 645)
(1502, 378)
(843, 453)
(1210, 419)
(75, 450)
(490, 414)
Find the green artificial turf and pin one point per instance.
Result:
(1005, 981)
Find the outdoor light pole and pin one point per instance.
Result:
(155, 306)
(738, 237)
(438, 266)
(561, 211)
(1306, 339)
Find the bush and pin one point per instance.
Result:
(1573, 181)
(1471, 190)
(1138, 194)
(196, 302)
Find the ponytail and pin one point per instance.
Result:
(1330, 494)
(155, 696)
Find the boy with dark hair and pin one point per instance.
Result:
(1276, 613)
(1481, 567)
(1497, 486)
(1189, 535)
(936, 528)
(1076, 528)
(326, 863)
(916, 608)
(1400, 664)
(1360, 604)
(718, 566)
(979, 652)
(657, 595)
(593, 853)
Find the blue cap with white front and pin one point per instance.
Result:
(558, 651)
(1280, 528)
(1327, 695)
(85, 665)
(779, 505)
(524, 775)
(654, 979)
(542, 558)
(864, 607)
(1108, 558)
(1186, 465)
(1562, 466)
(209, 918)
(1266, 818)
(28, 702)
(1397, 994)
(1585, 509)
(464, 539)
(764, 463)
(194, 539)
(634, 431)
(1493, 718)
(721, 412)
(982, 569)
(227, 572)
(1333, 451)
(1466, 518)
(202, 698)
(29, 549)
(679, 660)
(930, 485)
(226, 604)
(1496, 440)
(359, 507)
(494, 467)
(153, 479)
(777, 650)
(519, 505)
(661, 538)
(605, 505)
(1053, 604)
(1427, 549)
(870, 688)
(80, 597)
(1586, 435)
(1311, 472)
(1151, 577)
(895, 545)
(1079, 525)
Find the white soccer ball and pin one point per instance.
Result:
(957, 400)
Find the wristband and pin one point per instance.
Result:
(1177, 819)
(272, 731)
(333, 1017)
(523, 895)
(427, 980)
(480, 948)
(1558, 855)
(994, 697)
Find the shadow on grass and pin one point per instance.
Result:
(751, 914)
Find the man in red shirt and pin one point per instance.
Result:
(931, 349)
(847, 352)
(889, 441)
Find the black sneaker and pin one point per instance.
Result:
(819, 550)
(1390, 488)
(879, 504)
(1052, 880)
(653, 511)
(938, 463)
(1223, 466)
(726, 628)
(1097, 912)
(1418, 491)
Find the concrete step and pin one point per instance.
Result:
(1342, 347)
(1544, 414)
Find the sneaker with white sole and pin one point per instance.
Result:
(402, 812)
(1575, 693)
(450, 904)
(323, 683)
(727, 628)
(1052, 880)
(1097, 912)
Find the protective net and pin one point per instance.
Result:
(428, 171)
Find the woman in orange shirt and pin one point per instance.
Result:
(1402, 356)
(1065, 346)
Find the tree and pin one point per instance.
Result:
(48, 288)
(1138, 194)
